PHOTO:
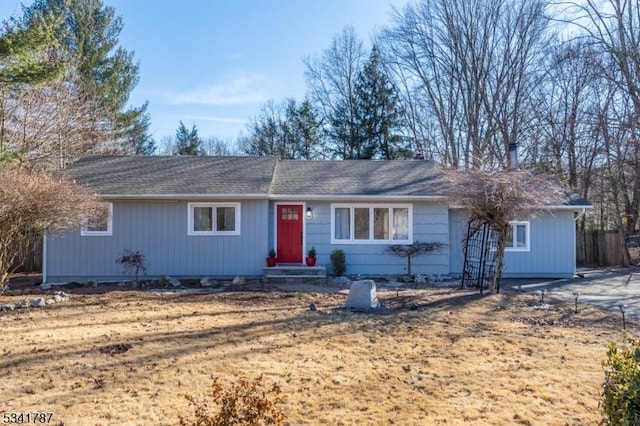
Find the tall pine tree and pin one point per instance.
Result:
(187, 141)
(285, 130)
(377, 114)
(104, 72)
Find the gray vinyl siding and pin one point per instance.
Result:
(430, 224)
(552, 248)
(159, 231)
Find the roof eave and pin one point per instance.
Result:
(181, 197)
(354, 197)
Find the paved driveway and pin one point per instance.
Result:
(607, 289)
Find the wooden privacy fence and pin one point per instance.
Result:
(33, 261)
(601, 248)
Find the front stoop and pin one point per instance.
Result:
(295, 274)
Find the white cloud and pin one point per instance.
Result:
(239, 90)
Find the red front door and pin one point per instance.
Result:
(289, 233)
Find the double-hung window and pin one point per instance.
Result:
(214, 219)
(518, 236)
(100, 223)
(371, 224)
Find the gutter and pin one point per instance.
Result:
(176, 197)
(356, 197)
(284, 197)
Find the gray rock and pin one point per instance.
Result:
(94, 284)
(7, 307)
(57, 298)
(239, 281)
(50, 301)
(167, 281)
(362, 295)
(208, 282)
(344, 281)
(38, 303)
(45, 286)
(21, 304)
(313, 307)
(420, 279)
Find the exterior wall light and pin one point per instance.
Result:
(309, 213)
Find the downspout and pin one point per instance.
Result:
(580, 214)
(44, 258)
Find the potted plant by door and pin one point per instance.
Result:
(311, 257)
(271, 258)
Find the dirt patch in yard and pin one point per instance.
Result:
(434, 356)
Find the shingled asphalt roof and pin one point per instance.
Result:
(262, 177)
(175, 175)
(413, 178)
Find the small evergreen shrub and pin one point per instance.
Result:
(312, 252)
(338, 262)
(621, 388)
(246, 402)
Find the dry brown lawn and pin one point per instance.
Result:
(458, 358)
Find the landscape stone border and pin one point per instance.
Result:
(39, 302)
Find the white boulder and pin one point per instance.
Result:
(362, 295)
(38, 303)
(207, 282)
(239, 281)
(420, 279)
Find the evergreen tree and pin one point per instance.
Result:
(106, 73)
(308, 131)
(29, 54)
(286, 130)
(343, 130)
(187, 141)
(377, 114)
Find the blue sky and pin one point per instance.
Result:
(215, 62)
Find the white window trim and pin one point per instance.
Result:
(527, 225)
(192, 233)
(371, 208)
(86, 233)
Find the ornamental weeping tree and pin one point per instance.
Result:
(497, 197)
(409, 251)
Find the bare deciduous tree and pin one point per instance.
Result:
(612, 30)
(331, 79)
(470, 69)
(50, 125)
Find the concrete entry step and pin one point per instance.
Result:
(292, 279)
(289, 274)
(298, 270)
